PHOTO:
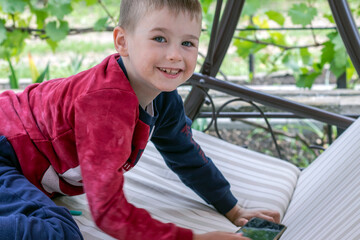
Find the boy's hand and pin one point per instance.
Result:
(219, 236)
(239, 216)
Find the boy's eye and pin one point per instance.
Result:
(187, 44)
(160, 39)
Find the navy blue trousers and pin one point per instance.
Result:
(25, 211)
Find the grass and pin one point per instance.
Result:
(71, 45)
(61, 60)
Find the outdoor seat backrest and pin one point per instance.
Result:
(326, 204)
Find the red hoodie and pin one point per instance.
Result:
(81, 133)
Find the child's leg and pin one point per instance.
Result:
(25, 211)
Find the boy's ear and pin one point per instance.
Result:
(120, 42)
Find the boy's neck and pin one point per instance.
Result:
(144, 94)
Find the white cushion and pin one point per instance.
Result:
(257, 180)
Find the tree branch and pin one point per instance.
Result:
(312, 30)
(73, 31)
(278, 45)
(285, 29)
(107, 12)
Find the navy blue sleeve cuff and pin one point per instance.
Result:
(226, 203)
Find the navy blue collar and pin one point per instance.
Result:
(144, 116)
(121, 64)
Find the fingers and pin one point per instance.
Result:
(240, 222)
(242, 237)
(234, 236)
(220, 235)
(270, 215)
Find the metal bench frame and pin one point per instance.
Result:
(221, 35)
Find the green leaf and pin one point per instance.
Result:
(101, 24)
(317, 67)
(45, 73)
(306, 80)
(205, 4)
(57, 32)
(329, 17)
(304, 70)
(336, 70)
(244, 48)
(91, 2)
(52, 44)
(350, 72)
(302, 14)
(15, 42)
(338, 65)
(277, 38)
(3, 52)
(306, 56)
(261, 23)
(12, 77)
(332, 35)
(13, 6)
(276, 17)
(41, 15)
(338, 43)
(59, 8)
(3, 35)
(337, 56)
(327, 52)
(250, 7)
(13, 80)
(291, 62)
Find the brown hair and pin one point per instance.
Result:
(132, 10)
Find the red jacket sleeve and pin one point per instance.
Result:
(104, 125)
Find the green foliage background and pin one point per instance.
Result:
(44, 19)
(304, 53)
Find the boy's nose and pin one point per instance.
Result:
(174, 54)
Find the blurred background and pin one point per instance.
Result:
(289, 48)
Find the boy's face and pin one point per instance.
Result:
(161, 52)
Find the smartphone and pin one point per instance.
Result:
(261, 229)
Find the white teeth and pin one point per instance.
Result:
(170, 71)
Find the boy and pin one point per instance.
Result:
(99, 122)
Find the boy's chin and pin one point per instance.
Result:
(168, 88)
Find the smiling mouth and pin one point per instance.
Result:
(170, 71)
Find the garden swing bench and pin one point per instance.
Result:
(320, 202)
